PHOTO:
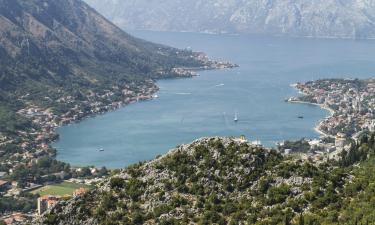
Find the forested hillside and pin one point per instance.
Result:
(228, 181)
(50, 49)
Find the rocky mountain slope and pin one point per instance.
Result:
(64, 49)
(46, 44)
(312, 18)
(230, 181)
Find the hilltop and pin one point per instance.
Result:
(230, 181)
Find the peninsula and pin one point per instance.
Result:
(350, 101)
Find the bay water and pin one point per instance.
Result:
(204, 106)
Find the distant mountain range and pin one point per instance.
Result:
(303, 18)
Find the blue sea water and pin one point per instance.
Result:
(188, 109)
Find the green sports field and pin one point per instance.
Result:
(61, 189)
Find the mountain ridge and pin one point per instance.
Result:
(332, 18)
(68, 38)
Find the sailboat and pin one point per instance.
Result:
(236, 117)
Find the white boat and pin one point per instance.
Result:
(235, 117)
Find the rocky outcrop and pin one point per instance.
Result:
(186, 183)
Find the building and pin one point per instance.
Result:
(47, 202)
(4, 185)
(340, 140)
(372, 126)
(16, 218)
(287, 151)
(79, 192)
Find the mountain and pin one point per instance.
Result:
(51, 50)
(60, 43)
(230, 181)
(303, 18)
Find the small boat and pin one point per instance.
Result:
(101, 150)
(155, 96)
(235, 118)
(300, 117)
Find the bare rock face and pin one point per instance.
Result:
(316, 18)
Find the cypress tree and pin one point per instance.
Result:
(301, 219)
(287, 222)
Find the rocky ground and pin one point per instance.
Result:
(212, 181)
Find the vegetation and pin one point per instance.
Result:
(65, 71)
(296, 146)
(61, 189)
(220, 181)
(25, 203)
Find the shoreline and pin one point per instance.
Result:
(152, 90)
(322, 106)
(331, 111)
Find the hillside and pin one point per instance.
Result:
(53, 49)
(317, 18)
(61, 61)
(66, 43)
(229, 181)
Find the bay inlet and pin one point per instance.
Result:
(202, 106)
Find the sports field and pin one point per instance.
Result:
(61, 189)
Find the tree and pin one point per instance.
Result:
(301, 219)
(286, 220)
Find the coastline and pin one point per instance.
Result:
(322, 106)
(151, 91)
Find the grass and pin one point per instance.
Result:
(61, 189)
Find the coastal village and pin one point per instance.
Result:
(33, 147)
(27, 161)
(351, 104)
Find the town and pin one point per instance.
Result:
(27, 160)
(29, 172)
(351, 104)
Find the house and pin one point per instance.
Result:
(4, 185)
(79, 192)
(47, 202)
(2, 174)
